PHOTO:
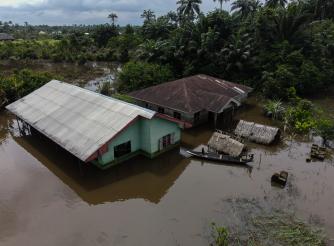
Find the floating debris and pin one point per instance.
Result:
(280, 178)
(317, 152)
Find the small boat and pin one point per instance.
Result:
(211, 156)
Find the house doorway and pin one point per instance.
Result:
(122, 149)
(166, 141)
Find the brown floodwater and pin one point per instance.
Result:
(46, 199)
(89, 75)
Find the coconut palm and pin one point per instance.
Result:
(113, 18)
(287, 23)
(238, 53)
(276, 3)
(221, 3)
(324, 9)
(189, 8)
(148, 15)
(245, 7)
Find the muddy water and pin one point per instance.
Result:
(170, 200)
(90, 75)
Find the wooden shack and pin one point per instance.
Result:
(256, 132)
(223, 143)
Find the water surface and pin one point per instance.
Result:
(171, 200)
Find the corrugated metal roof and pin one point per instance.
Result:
(193, 94)
(5, 36)
(79, 120)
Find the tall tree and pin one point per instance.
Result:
(324, 9)
(221, 3)
(113, 18)
(245, 7)
(189, 8)
(276, 3)
(148, 15)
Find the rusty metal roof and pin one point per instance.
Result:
(6, 36)
(193, 94)
(79, 120)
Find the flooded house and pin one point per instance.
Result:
(93, 127)
(194, 100)
(6, 37)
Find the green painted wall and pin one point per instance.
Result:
(144, 136)
(160, 128)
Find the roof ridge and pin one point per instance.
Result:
(104, 96)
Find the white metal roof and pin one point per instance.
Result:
(79, 120)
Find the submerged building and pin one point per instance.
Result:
(6, 37)
(193, 100)
(93, 127)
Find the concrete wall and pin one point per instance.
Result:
(144, 136)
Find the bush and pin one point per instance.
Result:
(22, 83)
(274, 109)
(300, 117)
(139, 75)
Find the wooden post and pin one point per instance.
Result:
(216, 116)
(80, 168)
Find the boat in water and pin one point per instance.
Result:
(211, 156)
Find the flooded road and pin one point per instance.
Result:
(170, 200)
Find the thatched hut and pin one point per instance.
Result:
(224, 143)
(256, 132)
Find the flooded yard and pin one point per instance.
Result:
(90, 75)
(45, 199)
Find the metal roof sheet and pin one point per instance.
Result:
(193, 94)
(79, 120)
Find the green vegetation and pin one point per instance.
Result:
(282, 229)
(21, 83)
(287, 231)
(138, 75)
(277, 47)
(301, 116)
(220, 235)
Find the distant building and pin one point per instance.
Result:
(193, 100)
(93, 127)
(6, 37)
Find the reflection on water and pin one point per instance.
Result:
(138, 178)
(171, 200)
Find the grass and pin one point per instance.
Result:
(123, 97)
(271, 230)
(288, 231)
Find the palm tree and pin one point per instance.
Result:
(324, 9)
(221, 3)
(276, 3)
(189, 8)
(148, 15)
(113, 18)
(245, 7)
(287, 23)
(238, 52)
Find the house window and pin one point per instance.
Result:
(161, 110)
(197, 116)
(122, 149)
(166, 141)
(177, 115)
